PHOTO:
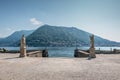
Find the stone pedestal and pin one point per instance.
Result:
(23, 47)
(92, 53)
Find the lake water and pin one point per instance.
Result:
(61, 51)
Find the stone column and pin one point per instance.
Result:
(23, 47)
(92, 49)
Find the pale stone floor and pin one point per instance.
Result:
(104, 67)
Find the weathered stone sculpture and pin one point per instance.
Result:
(23, 47)
(45, 53)
(92, 49)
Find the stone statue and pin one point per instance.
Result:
(23, 47)
(92, 41)
(92, 49)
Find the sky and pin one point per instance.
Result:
(100, 17)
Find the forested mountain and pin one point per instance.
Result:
(47, 35)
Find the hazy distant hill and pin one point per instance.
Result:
(10, 40)
(47, 35)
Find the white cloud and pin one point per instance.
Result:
(36, 22)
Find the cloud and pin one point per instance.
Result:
(36, 22)
(9, 29)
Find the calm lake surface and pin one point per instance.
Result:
(61, 51)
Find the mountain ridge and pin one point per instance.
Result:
(14, 37)
(48, 35)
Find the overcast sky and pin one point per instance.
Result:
(100, 17)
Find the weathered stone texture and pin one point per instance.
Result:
(23, 47)
(92, 49)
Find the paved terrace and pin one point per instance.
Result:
(104, 67)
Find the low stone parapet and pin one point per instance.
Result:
(35, 54)
(43, 53)
(80, 53)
